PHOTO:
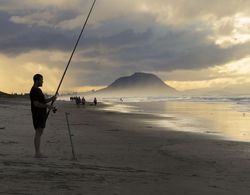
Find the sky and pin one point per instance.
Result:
(189, 44)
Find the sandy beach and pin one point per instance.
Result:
(117, 153)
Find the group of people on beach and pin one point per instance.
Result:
(78, 100)
(39, 110)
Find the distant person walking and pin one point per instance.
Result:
(83, 101)
(95, 101)
(78, 100)
(39, 111)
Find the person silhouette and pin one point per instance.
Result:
(83, 101)
(95, 101)
(39, 111)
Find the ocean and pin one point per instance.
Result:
(220, 117)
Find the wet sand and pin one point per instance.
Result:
(225, 120)
(117, 154)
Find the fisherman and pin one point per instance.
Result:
(39, 108)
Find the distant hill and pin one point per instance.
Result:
(7, 95)
(138, 84)
(2, 94)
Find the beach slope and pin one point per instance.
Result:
(118, 153)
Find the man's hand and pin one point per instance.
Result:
(53, 98)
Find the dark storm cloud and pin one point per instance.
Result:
(177, 49)
(33, 39)
(119, 47)
(129, 51)
(16, 39)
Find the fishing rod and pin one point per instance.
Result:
(79, 37)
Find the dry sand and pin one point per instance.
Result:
(117, 154)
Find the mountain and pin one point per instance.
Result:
(7, 95)
(138, 84)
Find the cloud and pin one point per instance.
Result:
(126, 36)
(22, 68)
(16, 5)
(49, 17)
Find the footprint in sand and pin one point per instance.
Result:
(2, 128)
(149, 127)
(113, 130)
(8, 142)
(80, 124)
(52, 141)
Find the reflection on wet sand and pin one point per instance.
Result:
(222, 119)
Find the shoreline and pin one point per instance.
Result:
(216, 119)
(117, 154)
